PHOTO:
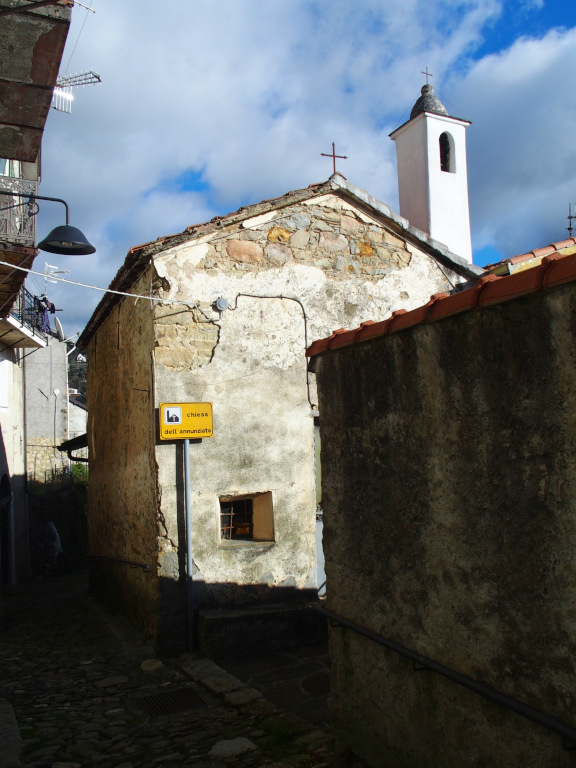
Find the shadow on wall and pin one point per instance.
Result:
(6, 524)
(232, 618)
(229, 620)
(58, 526)
(14, 549)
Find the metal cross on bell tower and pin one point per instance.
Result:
(428, 74)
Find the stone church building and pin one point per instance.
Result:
(229, 309)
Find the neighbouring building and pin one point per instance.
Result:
(77, 418)
(52, 417)
(32, 41)
(229, 308)
(449, 488)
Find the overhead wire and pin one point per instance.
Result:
(78, 38)
(98, 288)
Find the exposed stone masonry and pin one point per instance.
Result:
(42, 458)
(185, 337)
(326, 233)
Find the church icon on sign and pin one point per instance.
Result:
(173, 415)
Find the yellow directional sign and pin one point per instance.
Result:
(179, 421)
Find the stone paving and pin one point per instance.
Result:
(296, 680)
(79, 682)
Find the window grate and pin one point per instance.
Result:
(167, 702)
(236, 519)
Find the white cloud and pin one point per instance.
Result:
(246, 95)
(521, 153)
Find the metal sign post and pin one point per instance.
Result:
(186, 421)
(189, 564)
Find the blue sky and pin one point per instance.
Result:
(532, 19)
(208, 106)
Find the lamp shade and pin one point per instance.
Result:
(67, 240)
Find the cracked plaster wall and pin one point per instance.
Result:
(344, 267)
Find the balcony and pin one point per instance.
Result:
(26, 325)
(18, 215)
(29, 312)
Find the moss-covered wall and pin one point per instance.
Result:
(449, 488)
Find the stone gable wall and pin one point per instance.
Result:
(323, 232)
(450, 528)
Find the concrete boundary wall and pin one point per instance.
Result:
(449, 489)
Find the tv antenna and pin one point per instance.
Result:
(63, 97)
(49, 273)
(570, 218)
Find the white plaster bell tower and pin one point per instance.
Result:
(432, 174)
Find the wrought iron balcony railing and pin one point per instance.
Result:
(18, 215)
(29, 311)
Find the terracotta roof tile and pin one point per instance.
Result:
(510, 286)
(519, 258)
(316, 347)
(370, 329)
(403, 318)
(537, 252)
(140, 247)
(341, 338)
(554, 269)
(453, 303)
(564, 244)
(543, 251)
(558, 269)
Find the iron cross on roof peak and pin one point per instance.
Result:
(334, 156)
(428, 74)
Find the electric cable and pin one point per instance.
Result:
(97, 288)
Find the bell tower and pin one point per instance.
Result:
(432, 173)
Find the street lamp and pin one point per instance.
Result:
(65, 239)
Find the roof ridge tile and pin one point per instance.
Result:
(511, 286)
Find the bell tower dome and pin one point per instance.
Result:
(432, 173)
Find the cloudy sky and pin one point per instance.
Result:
(208, 105)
